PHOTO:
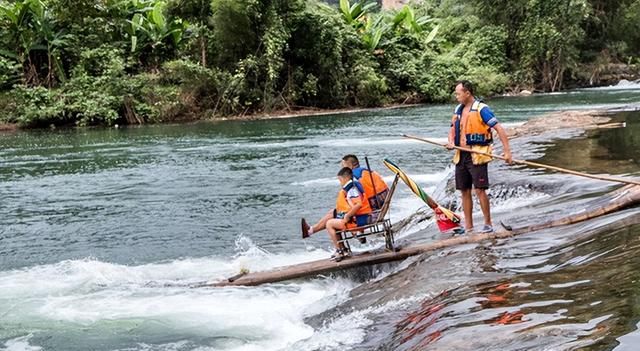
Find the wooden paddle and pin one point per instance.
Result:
(532, 164)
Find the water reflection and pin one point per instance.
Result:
(584, 304)
(602, 151)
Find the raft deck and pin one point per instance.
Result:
(624, 197)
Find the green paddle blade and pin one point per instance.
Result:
(445, 218)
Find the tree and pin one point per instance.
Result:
(153, 34)
(198, 13)
(548, 41)
(34, 34)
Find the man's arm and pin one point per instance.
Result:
(505, 142)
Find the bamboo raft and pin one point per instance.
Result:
(624, 197)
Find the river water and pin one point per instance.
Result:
(102, 233)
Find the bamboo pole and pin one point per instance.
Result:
(528, 163)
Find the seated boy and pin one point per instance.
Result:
(375, 188)
(352, 210)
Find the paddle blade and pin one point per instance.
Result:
(444, 223)
(445, 219)
(452, 216)
(410, 183)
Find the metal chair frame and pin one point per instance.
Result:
(381, 225)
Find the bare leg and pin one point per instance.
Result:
(322, 223)
(484, 205)
(467, 208)
(334, 225)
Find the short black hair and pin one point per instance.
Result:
(466, 85)
(345, 172)
(351, 158)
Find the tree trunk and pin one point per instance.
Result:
(203, 50)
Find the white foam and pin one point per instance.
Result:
(428, 178)
(333, 181)
(519, 202)
(366, 142)
(512, 124)
(89, 274)
(87, 292)
(20, 344)
(405, 206)
(350, 329)
(333, 142)
(620, 86)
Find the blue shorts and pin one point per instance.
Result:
(363, 220)
(359, 220)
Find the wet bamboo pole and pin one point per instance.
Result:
(624, 197)
(529, 163)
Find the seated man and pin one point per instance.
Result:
(352, 210)
(375, 189)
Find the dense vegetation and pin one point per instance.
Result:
(102, 62)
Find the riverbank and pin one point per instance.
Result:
(310, 112)
(8, 127)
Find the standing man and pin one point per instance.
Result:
(471, 128)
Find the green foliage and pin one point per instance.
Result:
(198, 13)
(629, 29)
(9, 72)
(234, 32)
(152, 32)
(486, 46)
(369, 87)
(201, 87)
(373, 31)
(407, 21)
(548, 41)
(489, 80)
(102, 61)
(314, 79)
(355, 14)
(33, 36)
(444, 70)
(37, 106)
(84, 62)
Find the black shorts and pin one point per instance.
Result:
(468, 174)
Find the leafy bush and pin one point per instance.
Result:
(9, 73)
(320, 53)
(102, 61)
(486, 46)
(488, 80)
(369, 88)
(36, 107)
(443, 72)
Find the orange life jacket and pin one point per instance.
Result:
(476, 132)
(381, 188)
(342, 202)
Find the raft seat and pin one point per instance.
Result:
(380, 226)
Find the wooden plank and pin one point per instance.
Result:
(611, 202)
